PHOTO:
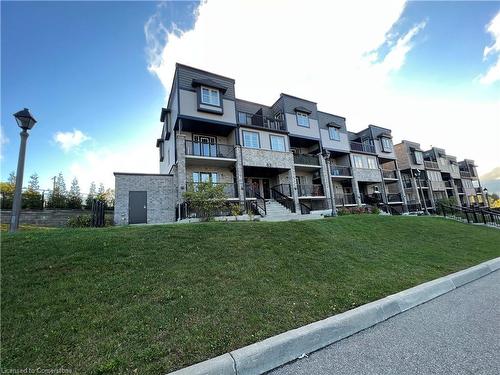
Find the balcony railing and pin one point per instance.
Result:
(363, 147)
(230, 188)
(306, 159)
(448, 185)
(465, 174)
(284, 189)
(315, 190)
(394, 197)
(213, 150)
(337, 170)
(407, 184)
(460, 189)
(431, 164)
(252, 119)
(423, 183)
(343, 199)
(389, 174)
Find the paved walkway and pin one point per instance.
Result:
(457, 333)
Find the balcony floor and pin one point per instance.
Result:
(209, 161)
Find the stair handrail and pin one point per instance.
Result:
(283, 199)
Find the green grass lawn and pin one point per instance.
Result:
(157, 298)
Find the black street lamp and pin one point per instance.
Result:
(26, 122)
(485, 191)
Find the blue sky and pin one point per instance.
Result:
(100, 71)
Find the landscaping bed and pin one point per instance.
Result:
(152, 299)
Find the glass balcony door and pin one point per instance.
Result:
(204, 145)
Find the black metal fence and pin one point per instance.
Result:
(471, 215)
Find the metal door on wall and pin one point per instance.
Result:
(137, 207)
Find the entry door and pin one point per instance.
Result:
(205, 145)
(265, 187)
(137, 207)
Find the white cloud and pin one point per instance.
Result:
(69, 140)
(493, 73)
(327, 52)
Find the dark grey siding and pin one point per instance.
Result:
(250, 107)
(187, 74)
(326, 118)
(291, 102)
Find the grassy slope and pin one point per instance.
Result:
(158, 298)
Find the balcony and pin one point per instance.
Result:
(340, 171)
(389, 175)
(305, 159)
(252, 119)
(431, 165)
(344, 199)
(362, 147)
(424, 183)
(407, 184)
(315, 190)
(460, 190)
(464, 174)
(211, 150)
(448, 185)
(394, 197)
(230, 189)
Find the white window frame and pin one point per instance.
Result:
(336, 136)
(303, 119)
(357, 161)
(386, 144)
(212, 98)
(419, 157)
(281, 138)
(371, 162)
(252, 133)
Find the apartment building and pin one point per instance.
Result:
(432, 175)
(284, 158)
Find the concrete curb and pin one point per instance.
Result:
(280, 349)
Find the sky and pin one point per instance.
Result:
(96, 74)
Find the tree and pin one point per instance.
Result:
(57, 198)
(7, 189)
(74, 195)
(91, 195)
(12, 179)
(205, 198)
(32, 197)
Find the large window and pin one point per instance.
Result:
(210, 96)
(434, 175)
(334, 133)
(365, 162)
(204, 177)
(419, 157)
(386, 144)
(303, 119)
(251, 139)
(277, 143)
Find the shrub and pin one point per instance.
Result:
(80, 221)
(343, 211)
(236, 210)
(206, 198)
(375, 210)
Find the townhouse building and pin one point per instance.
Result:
(285, 158)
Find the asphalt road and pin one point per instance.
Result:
(457, 333)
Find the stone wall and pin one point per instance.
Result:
(46, 218)
(161, 196)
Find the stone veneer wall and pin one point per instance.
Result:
(46, 218)
(161, 196)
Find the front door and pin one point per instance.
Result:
(265, 187)
(137, 207)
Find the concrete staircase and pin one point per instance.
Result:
(277, 212)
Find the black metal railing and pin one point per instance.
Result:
(252, 119)
(460, 189)
(423, 183)
(343, 199)
(407, 184)
(314, 190)
(363, 147)
(304, 209)
(337, 170)
(260, 204)
(389, 174)
(394, 197)
(229, 188)
(279, 194)
(431, 164)
(186, 211)
(471, 215)
(448, 184)
(465, 174)
(305, 159)
(213, 150)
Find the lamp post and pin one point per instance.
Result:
(485, 191)
(26, 122)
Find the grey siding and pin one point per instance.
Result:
(187, 74)
(291, 102)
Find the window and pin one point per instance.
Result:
(371, 162)
(204, 177)
(210, 96)
(162, 151)
(277, 143)
(334, 133)
(251, 139)
(358, 161)
(244, 118)
(386, 144)
(303, 119)
(419, 158)
(434, 175)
